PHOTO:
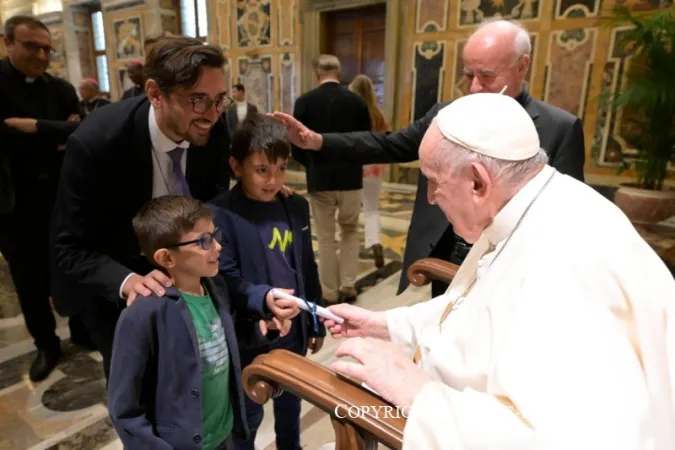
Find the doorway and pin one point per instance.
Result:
(357, 37)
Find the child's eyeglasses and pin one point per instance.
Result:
(206, 240)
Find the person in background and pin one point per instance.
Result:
(267, 243)
(164, 391)
(135, 74)
(333, 188)
(91, 97)
(372, 174)
(238, 111)
(37, 114)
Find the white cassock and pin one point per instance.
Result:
(566, 341)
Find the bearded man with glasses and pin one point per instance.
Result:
(173, 141)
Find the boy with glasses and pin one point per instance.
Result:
(175, 379)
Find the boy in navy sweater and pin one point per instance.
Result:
(268, 244)
(175, 379)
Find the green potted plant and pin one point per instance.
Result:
(649, 113)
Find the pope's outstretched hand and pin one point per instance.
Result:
(358, 322)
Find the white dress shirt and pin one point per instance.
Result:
(161, 162)
(162, 168)
(242, 110)
(566, 341)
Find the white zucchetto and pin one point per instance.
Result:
(494, 125)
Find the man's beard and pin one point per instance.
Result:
(190, 135)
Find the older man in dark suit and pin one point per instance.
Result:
(171, 142)
(496, 59)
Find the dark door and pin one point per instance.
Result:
(356, 37)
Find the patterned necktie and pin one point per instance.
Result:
(178, 179)
(417, 357)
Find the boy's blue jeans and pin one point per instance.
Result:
(286, 406)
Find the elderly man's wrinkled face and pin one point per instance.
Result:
(462, 194)
(87, 91)
(490, 63)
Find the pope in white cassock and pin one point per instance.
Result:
(558, 330)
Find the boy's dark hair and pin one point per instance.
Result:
(177, 61)
(15, 21)
(239, 87)
(163, 220)
(260, 134)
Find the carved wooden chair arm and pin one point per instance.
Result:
(281, 370)
(422, 272)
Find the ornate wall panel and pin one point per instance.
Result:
(125, 33)
(429, 65)
(576, 8)
(287, 17)
(256, 76)
(222, 16)
(431, 15)
(608, 146)
(287, 82)
(253, 23)
(473, 12)
(261, 40)
(568, 68)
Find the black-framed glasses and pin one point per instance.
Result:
(202, 103)
(34, 47)
(206, 241)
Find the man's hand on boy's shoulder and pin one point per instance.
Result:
(315, 343)
(281, 308)
(155, 282)
(287, 191)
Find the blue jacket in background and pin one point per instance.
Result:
(154, 391)
(243, 263)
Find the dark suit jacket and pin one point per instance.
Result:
(560, 134)
(243, 264)
(27, 157)
(132, 92)
(233, 119)
(154, 392)
(106, 178)
(331, 108)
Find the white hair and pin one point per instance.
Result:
(452, 157)
(522, 44)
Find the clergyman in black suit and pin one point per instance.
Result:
(238, 110)
(37, 113)
(172, 141)
(496, 59)
(336, 187)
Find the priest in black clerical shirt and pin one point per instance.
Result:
(37, 114)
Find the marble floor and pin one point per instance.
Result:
(67, 410)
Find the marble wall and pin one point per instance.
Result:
(261, 39)
(59, 63)
(576, 61)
